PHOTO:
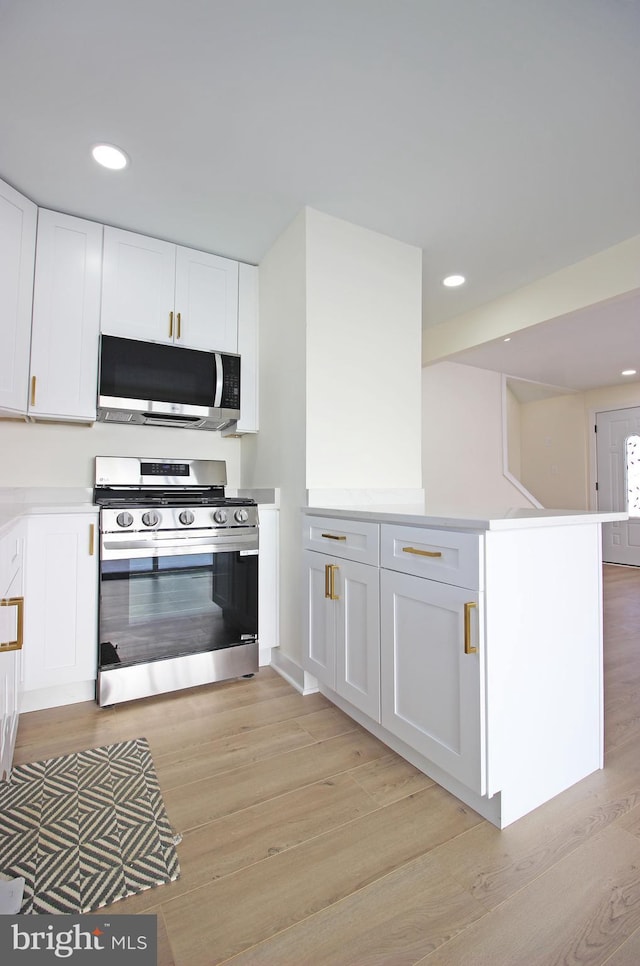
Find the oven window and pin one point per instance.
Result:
(153, 608)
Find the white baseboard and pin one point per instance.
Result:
(296, 676)
(57, 696)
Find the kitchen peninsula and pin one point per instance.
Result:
(472, 645)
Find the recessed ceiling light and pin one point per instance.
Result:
(508, 339)
(628, 372)
(109, 156)
(452, 281)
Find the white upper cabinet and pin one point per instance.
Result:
(17, 252)
(66, 318)
(206, 301)
(159, 292)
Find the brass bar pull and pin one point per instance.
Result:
(327, 592)
(332, 581)
(33, 390)
(468, 648)
(422, 553)
(332, 536)
(18, 603)
(179, 328)
(171, 325)
(92, 539)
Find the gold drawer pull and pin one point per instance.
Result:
(18, 603)
(33, 390)
(171, 325)
(92, 539)
(422, 553)
(332, 536)
(179, 326)
(330, 581)
(468, 648)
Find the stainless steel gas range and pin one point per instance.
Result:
(178, 577)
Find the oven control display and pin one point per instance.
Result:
(164, 469)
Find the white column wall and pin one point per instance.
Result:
(363, 357)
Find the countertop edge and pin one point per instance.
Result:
(413, 516)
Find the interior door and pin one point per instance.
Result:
(617, 455)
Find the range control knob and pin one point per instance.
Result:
(186, 517)
(220, 516)
(124, 519)
(241, 515)
(151, 518)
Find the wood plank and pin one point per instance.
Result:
(389, 778)
(243, 838)
(395, 920)
(259, 901)
(571, 914)
(190, 806)
(494, 864)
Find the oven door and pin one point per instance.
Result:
(164, 596)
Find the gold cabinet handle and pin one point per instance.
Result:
(33, 390)
(18, 603)
(179, 325)
(332, 582)
(332, 536)
(468, 648)
(422, 553)
(92, 539)
(329, 581)
(171, 325)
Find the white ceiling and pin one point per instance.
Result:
(579, 351)
(500, 136)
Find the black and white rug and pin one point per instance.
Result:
(86, 829)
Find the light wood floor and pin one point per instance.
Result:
(307, 843)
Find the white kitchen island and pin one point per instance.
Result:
(470, 645)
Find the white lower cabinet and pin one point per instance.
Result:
(342, 620)
(488, 647)
(430, 664)
(61, 587)
(11, 639)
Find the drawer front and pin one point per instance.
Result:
(351, 539)
(444, 555)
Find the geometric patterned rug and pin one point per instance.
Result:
(86, 829)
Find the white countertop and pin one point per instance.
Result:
(23, 501)
(416, 515)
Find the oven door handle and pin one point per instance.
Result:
(112, 548)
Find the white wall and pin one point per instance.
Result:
(363, 357)
(276, 456)
(514, 434)
(554, 451)
(62, 454)
(558, 444)
(462, 452)
(340, 319)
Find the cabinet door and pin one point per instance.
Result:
(66, 318)
(61, 583)
(357, 635)
(17, 254)
(432, 694)
(206, 301)
(11, 544)
(138, 283)
(320, 620)
(248, 349)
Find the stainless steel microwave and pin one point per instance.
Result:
(167, 385)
